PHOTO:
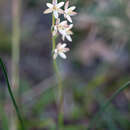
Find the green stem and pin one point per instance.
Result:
(11, 94)
(95, 120)
(60, 91)
(16, 15)
(53, 37)
(60, 97)
(15, 44)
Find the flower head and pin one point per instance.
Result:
(64, 29)
(59, 26)
(60, 50)
(66, 33)
(68, 12)
(55, 8)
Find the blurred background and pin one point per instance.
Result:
(97, 65)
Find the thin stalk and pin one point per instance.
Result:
(15, 56)
(95, 119)
(11, 94)
(60, 88)
(15, 44)
(53, 37)
(60, 97)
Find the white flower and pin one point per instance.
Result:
(69, 12)
(55, 8)
(59, 26)
(60, 50)
(66, 33)
(64, 29)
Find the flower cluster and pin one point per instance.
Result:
(61, 27)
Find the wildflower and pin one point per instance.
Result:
(66, 33)
(55, 8)
(69, 12)
(59, 26)
(64, 29)
(60, 50)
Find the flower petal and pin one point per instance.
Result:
(60, 11)
(62, 32)
(54, 2)
(66, 5)
(72, 8)
(63, 45)
(59, 45)
(66, 50)
(62, 55)
(63, 23)
(49, 5)
(69, 38)
(69, 18)
(47, 11)
(59, 5)
(63, 37)
(73, 13)
(69, 32)
(70, 26)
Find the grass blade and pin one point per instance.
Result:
(95, 120)
(11, 94)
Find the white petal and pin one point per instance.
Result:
(70, 26)
(49, 5)
(66, 5)
(60, 11)
(59, 5)
(72, 8)
(54, 2)
(73, 13)
(63, 45)
(69, 18)
(69, 38)
(62, 32)
(66, 50)
(58, 45)
(63, 37)
(62, 55)
(63, 23)
(56, 14)
(47, 11)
